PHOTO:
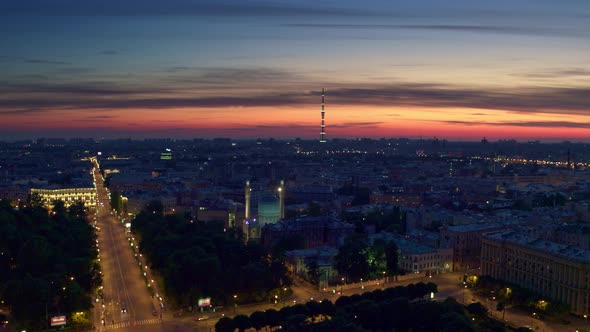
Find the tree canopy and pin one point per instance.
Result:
(203, 259)
(392, 309)
(48, 261)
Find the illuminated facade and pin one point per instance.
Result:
(67, 195)
(415, 257)
(270, 209)
(556, 271)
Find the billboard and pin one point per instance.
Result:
(58, 320)
(205, 302)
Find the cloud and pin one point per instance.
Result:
(514, 30)
(44, 61)
(5, 58)
(536, 124)
(22, 111)
(529, 100)
(229, 75)
(98, 117)
(109, 52)
(358, 124)
(267, 87)
(556, 73)
(178, 7)
(77, 89)
(92, 119)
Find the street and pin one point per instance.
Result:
(126, 300)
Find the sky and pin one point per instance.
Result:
(455, 69)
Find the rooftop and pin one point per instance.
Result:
(568, 252)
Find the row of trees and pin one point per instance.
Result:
(513, 295)
(399, 309)
(48, 261)
(393, 309)
(203, 259)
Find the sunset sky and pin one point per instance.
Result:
(188, 68)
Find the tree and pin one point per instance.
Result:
(351, 260)
(225, 324)
(258, 320)
(35, 200)
(273, 318)
(294, 322)
(39, 249)
(454, 322)
(313, 308)
(177, 248)
(77, 211)
(431, 288)
(501, 306)
(326, 307)
(367, 313)
(313, 271)
(392, 259)
(477, 309)
(400, 321)
(376, 258)
(242, 322)
(116, 201)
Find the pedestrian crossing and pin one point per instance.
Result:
(132, 323)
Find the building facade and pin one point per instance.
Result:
(556, 271)
(415, 257)
(67, 195)
(465, 240)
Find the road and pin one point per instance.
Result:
(126, 300)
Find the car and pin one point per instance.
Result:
(154, 313)
(123, 310)
(200, 318)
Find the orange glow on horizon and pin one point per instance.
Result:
(304, 121)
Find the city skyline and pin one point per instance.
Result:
(461, 70)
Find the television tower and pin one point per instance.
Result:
(323, 132)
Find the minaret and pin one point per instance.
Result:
(247, 191)
(323, 132)
(282, 198)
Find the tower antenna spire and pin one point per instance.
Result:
(323, 127)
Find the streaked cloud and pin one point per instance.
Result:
(552, 73)
(104, 95)
(513, 30)
(180, 7)
(536, 124)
